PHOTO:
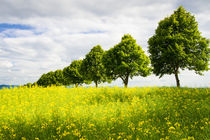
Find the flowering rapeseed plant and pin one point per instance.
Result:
(104, 113)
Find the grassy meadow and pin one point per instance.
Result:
(104, 113)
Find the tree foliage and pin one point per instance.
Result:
(29, 85)
(72, 73)
(177, 44)
(126, 60)
(51, 78)
(92, 67)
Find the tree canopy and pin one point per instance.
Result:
(126, 60)
(72, 73)
(177, 44)
(51, 78)
(92, 66)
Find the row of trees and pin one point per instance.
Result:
(124, 60)
(176, 45)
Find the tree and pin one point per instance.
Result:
(59, 78)
(126, 60)
(46, 79)
(92, 67)
(72, 73)
(51, 78)
(177, 44)
(29, 85)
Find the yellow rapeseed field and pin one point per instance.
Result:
(104, 113)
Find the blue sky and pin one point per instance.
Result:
(7, 26)
(45, 35)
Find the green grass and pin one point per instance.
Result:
(104, 113)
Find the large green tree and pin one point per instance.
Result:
(72, 73)
(126, 60)
(178, 45)
(92, 67)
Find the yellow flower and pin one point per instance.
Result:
(23, 138)
(141, 123)
(189, 138)
(65, 133)
(91, 125)
(177, 124)
(168, 123)
(118, 137)
(129, 137)
(14, 135)
(171, 129)
(5, 127)
(82, 138)
(76, 133)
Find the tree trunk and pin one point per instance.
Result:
(177, 79)
(126, 81)
(96, 82)
(76, 85)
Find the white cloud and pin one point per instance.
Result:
(5, 64)
(66, 30)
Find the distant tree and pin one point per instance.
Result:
(28, 85)
(59, 78)
(177, 44)
(51, 78)
(44, 80)
(35, 84)
(126, 60)
(92, 66)
(72, 73)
